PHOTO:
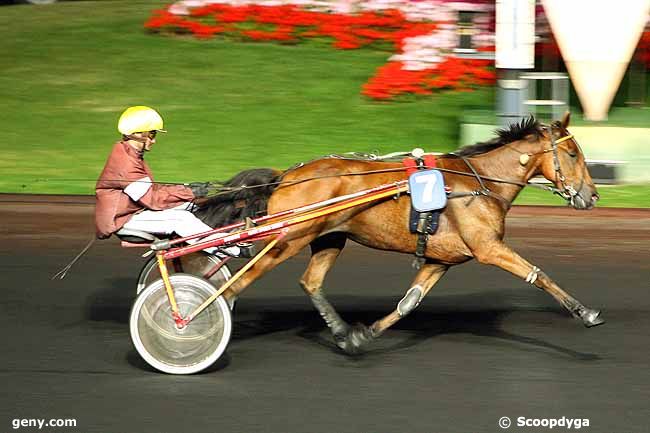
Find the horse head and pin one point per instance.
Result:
(562, 162)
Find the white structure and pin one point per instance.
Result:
(515, 34)
(597, 40)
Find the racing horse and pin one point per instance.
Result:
(470, 227)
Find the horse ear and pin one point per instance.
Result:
(565, 119)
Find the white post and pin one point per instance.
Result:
(515, 51)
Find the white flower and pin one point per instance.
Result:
(178, 9)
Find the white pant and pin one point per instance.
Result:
(177, 220)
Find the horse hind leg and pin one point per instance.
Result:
(361, 335)
(278, 254)
(325, 251)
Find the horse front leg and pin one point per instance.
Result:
(496, 253)
(361, 335)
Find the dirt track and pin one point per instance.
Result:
(483, 345)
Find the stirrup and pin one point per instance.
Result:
(246, 251)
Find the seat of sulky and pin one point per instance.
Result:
(135, 236)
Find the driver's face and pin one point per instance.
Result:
(150, 139)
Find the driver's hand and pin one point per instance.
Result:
(199, 189)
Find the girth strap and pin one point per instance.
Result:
(424, 218)
(422, 230)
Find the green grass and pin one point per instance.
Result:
(227, 105)
(70, 68)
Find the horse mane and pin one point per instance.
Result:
(516, 131)
(228, 207)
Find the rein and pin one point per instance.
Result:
(226, 190)
(567, 192)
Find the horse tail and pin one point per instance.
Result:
(229, 207)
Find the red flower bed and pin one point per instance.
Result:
(393, 80)
(292, 23)
(289, 24)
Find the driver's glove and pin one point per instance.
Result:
(199, 189)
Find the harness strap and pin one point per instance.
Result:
(485, 191)
(476, 175)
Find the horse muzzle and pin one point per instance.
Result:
(585, 199)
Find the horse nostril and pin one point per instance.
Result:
(595, 196)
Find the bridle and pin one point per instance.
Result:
(567, 192)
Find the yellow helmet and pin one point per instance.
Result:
(140, 119)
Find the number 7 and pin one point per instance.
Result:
(429, 180)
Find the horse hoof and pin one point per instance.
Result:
(591, 318)
(357, 337)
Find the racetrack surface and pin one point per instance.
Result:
(481, 346)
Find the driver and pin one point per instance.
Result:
(126, 195)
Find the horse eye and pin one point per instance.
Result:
(573, 153)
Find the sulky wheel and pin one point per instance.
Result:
(200, 264)
(162, 344)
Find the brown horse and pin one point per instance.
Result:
(470, 227)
